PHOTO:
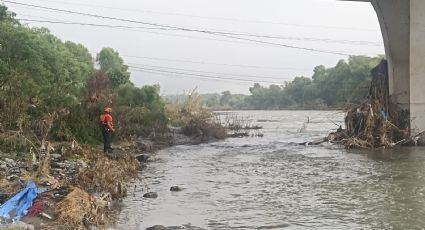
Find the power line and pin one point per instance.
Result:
(90, 24)
(183, 29)
(213, 63)
(138, 29)
(196, 78)
(200, 75)
(208, 72)
(325, 40)
(280, 37)
(210, 17)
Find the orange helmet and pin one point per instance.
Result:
(107, 110)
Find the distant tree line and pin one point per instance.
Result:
(347, 82)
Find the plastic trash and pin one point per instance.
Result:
(21, 202)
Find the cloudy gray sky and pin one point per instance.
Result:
(182, 60)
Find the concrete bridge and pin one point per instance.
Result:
(403, 30)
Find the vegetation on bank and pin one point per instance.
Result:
(346, 83)
(52, 90)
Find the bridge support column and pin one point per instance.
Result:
(403, 29)
(417, 65)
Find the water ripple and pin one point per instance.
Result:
(272, 183)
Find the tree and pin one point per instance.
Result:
(113, 65)
(38, 72)
(7, 16)
(346, 82)
(225, 98)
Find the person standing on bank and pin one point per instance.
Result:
(107, 128)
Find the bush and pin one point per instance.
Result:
(140, 121)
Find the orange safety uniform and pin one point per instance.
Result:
(106, 121)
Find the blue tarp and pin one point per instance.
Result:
(21, 202)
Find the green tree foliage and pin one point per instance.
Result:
(113, 65)
(7, 16)
(225, 98)
(38, 72)
(43, 77)
(347, 82)
(142, 110)
(146, 96)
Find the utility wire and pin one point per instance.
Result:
(210, 17)
(90, 24)
(208, 72)
(350, 42)
(281, 37)
(196, 78)
(175, 60)
(213, 63)
(138, 29)
(182, 29)
(201, 75)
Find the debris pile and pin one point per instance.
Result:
(377, 123)
(11, 169)
(17, 206)
(205, 129)
(79, 186)
(238, 126)
(80, 209)
(107, 175)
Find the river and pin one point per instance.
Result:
(271, 182)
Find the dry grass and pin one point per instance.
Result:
(183, 112)
(80, 209)
(109, 175)
(9, 188)
(74, 209)
(195, 120)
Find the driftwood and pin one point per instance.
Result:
(377, 123)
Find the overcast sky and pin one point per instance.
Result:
(184, 60)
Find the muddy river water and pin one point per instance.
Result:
(271, 182)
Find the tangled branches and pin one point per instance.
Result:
(377, 122)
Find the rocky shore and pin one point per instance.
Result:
(82, 183)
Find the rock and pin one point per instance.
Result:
(157, 227)
(83, 164)
(175, 189)
(142, 166)
(31, 167)
(12, 178)
(3, 166)
(150, 195)
(55, 156)
(142, 158)
(8, 160)
(144, 145)
(14, 170)
(58, 165)
(21, 226)
(3, 198)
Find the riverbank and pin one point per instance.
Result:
(83, 184)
